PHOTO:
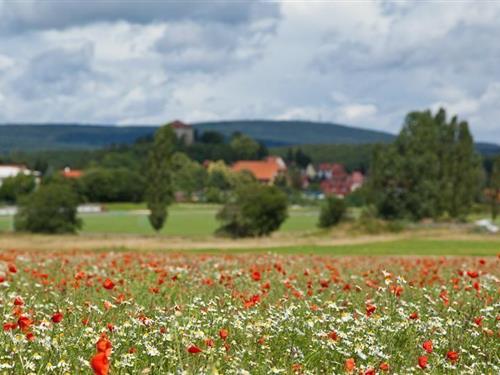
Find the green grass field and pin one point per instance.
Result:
(412, 246)
(185, 220)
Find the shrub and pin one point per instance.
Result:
(332, 211)
(256, 210)
(13, 188)
(112, 185)
(50, 209)
(214, 195)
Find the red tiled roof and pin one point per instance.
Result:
(71, 173)
(179, 125)
(263, 170)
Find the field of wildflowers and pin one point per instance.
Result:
(162, 313)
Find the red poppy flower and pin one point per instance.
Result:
(350, 364)
(30, 336)
(422, 361)
(103, 345)
(223, 333)
(384, 366)
(9, 326)
(452, 356)
(100, 364)
(18, 301)
(472, 274)
(333, 336)
(297, 368)
(414, 316)
(57, 317)
(478, 320)
(12, 268)
(370, 309)
(108, 284)
(397, 290)
(24, 322)
(210, 343)
(193, 349)
(252, 301)
(256, 276)
(427, 345)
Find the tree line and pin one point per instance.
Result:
(431, 170)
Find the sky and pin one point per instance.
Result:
(359, 63)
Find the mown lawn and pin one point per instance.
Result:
(410, 246)
(185, 220)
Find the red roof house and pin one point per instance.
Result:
(265, 171)
(71, 173)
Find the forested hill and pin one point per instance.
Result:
(284, 133)
(273, 133)
(30, 137)
(66, 136)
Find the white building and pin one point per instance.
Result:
(12, 170)
(183, 131)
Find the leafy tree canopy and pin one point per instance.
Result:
(50, 209)
(256, 210)
(429, 171)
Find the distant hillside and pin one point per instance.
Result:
(272, 133)
(65, 136)
(31, 137)
(488, 149)
(282, 133)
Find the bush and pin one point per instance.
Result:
(332, 211)
(50, 209)
(214, 195)
(113, 185)
(255, 211)
(369, 222)
(13, 188)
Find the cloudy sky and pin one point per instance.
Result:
(363, 63)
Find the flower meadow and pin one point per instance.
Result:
(164, 313)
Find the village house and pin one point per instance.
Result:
(183, 131)
(12, 170)
(71, 173)
(265, 171)
(335, 180)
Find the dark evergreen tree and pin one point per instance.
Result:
(159, 192)
(301, 159)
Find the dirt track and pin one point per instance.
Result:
(91, 242)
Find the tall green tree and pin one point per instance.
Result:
(159, 191)
(429, 171)
(494, 187)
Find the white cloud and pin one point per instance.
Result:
(362, 63)
(357, 112)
